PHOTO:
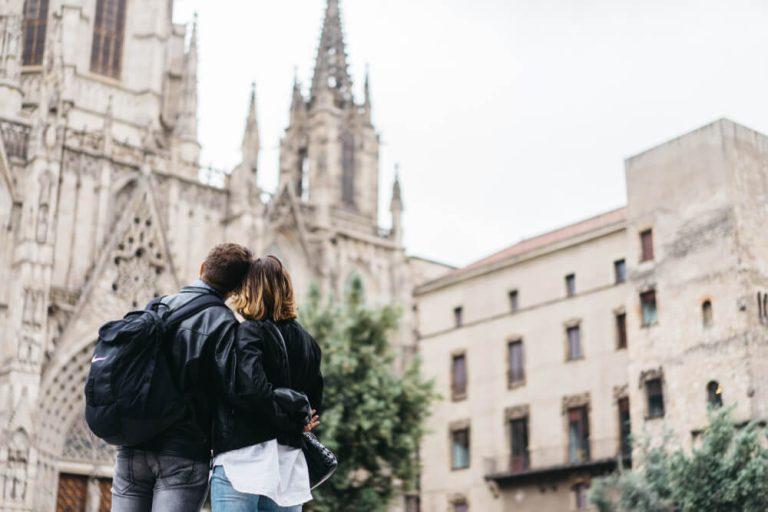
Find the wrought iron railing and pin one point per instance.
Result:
(539, 458)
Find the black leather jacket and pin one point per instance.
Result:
(253, 419)
(203, 358)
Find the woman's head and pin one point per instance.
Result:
(267, 293)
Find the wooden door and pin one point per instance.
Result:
(73, 491)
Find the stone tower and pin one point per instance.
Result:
(697, 258)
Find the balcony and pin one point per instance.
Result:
(16, 138)
(555, 462)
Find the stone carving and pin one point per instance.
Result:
(28, 350)
(33, 313)
(14, 476)
(80, 445)
(516, 412)
(653, 373)
(139, 259)
(580, 400)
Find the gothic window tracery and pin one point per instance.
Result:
(108, 34)
(35, 24)
(139, 260)
(81, 445)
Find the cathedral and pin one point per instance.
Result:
(104, 204)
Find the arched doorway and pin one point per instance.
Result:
(85, 471)
(75, 467)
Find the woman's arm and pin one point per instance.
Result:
(251, 385)
(260, 386)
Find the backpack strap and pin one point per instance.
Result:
(191, 308)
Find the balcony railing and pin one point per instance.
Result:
(16, 138)
(599, 454)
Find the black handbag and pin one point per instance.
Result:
(321, 461)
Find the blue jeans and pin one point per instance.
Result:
(224, 498)
(149, 482)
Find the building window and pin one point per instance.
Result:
(516, 364)
(459, 376)
(519, 441)
(625, 428)
(459, 505)
(412, 503)
(621, 330)
(578, 434)
(108, 34)
(513, 301)
(714, 395)
(302, 188)
(706, 313)
(460, 448)
(35, 24)
(654, 392)
(573, 335)
(348, 169)
(580, 492)
(648, 308)
(458, 316)
(762, 307)
(646, 245)
(570, 285)
(619, 271)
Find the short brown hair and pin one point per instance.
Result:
(226, 267)
(267, 292)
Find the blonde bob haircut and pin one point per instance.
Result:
(267, 293)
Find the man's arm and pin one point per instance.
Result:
(283, 408)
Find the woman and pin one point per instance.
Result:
(263, 469)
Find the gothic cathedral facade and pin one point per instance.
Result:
(103, 205)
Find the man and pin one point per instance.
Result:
(170, 472)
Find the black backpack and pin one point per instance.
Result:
(131, 395)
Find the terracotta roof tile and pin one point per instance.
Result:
(549, 238)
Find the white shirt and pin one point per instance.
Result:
(268, 469)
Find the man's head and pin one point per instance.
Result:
(226, 267)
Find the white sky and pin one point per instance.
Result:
(508, 117)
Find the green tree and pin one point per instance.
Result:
(373, 418)
(726, 471)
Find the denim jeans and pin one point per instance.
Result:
(149, 482)
(224, 498)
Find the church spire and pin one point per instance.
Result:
(251, 141)
(367, 92)
(297, 99)
(331, 73)
(186, 125)
(396, 207)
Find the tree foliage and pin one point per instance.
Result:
(373, 418)
(726, 471)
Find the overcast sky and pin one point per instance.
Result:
(508, 117)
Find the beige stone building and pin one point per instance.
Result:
(103, 204)
(551, 352)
